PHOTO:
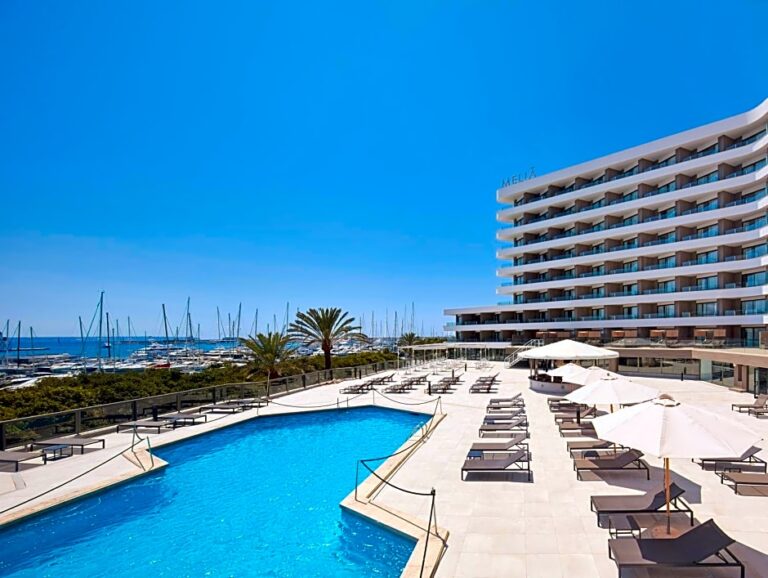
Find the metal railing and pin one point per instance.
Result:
(20, 431)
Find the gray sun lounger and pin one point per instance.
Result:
(604, 506)
(629, 461)
(515, 426)
(589, 446)
(758, 411)
(17, 457)
(704, 546)
(517, 461)
(749, 459)
(184, 419)
(756, 482)
(73, 442)
(143, 424)
(760, 402)
(517, 440)
(574, 416)
(223, 407)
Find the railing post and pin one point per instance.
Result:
(304, 380)
(134, 410)
(178, 402)
(78, 421)
(2, 437)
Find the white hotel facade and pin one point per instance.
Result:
(660, 245)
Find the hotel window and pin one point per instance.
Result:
(665, 262)
(568, 313)
(709, 231)
(756, 307)
(630, 267)
(598, 270)
(631, 220)
(629, 244)
(756, 251)
(755, 279)
(630, 312)
(667, 213)
(748, 198)
(709, 308)
(707, 282)
(708, 257)
(710, 178)
(598, 313)
(665, 310)
(666, 286)
(630, 196)
(630, 289)
(598, 292)
(707, 205)
(670, 186)
(667, 237)
(568, 294)
(754, 223)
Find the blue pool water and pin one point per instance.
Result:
(256, 499)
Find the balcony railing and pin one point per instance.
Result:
(653, 267)
(543, 238)
(635, 170)
(620, 317)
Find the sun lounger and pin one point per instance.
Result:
(144, 424)
(223, 408)
(516, 461)
(515, 426)
(515, 398)
(250, 402)
(583, 429)
(760, 402)
(604, 506)
(17, 457)
(587, 446)
(628, 461)
(758, 411)
(704, 546)
(757, 482)
(574, 416)
(184, 419)
(517, 440)
(749, 458)
(73, 442)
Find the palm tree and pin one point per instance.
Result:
(408, 339)
(268, 352)
(324, 327)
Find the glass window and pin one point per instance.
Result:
(598, 269)
(667, 213)
(707, 205)
(707, 282)
(630, 312)
(667, 237)
(708, 257)
(670, 186)
(709, 231)
(754, 279)
(631, 220)
(756, 307)
(630, 196)
(665, 310)
(630, 267)
(756, 251)
(665, 262)
(666, 286)
(709, 308)
(630, 289)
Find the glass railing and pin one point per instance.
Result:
(635, 171)
(622, 317)
(704, 208)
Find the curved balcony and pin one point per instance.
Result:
(749, 145)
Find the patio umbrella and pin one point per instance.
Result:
(569, 372)
(594, 373)
(612, 390)
(668, 429)
(567, 349)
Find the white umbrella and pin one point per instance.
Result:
(612, 391)
(569, 372)
(594, 373)
(668, 429)
(567, 349)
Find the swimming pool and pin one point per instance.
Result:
(257, 499)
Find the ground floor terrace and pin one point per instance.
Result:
(491, 527)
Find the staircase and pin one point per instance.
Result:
(514, 357)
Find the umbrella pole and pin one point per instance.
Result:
(666, 491)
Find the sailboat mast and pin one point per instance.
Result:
(101, 322)
(109, 345)
(165, 325)
(239, 313)
(18, 345)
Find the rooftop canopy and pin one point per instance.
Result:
(567, 349)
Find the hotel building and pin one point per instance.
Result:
(662, 247)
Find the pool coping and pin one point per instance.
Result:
(361, 502)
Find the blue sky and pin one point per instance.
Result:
(320, 153)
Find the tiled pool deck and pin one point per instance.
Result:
(497, 528)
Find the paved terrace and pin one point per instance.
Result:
(497, 528)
